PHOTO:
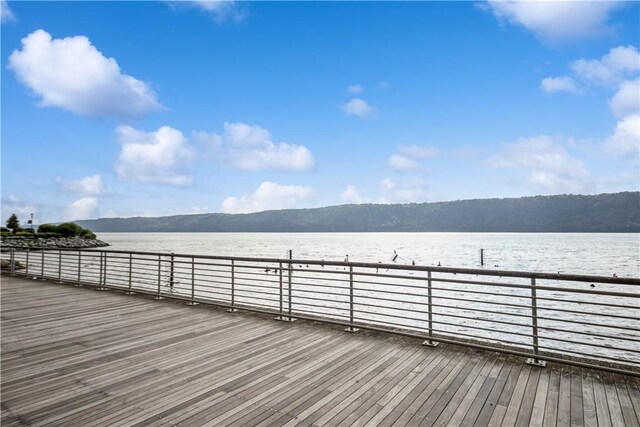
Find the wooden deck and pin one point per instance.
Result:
(81, 357)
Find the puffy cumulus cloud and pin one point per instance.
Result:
(418, 152)
(154, 157)
(625, 141)
(71, 73)
(220, 10)
(250, 147)
(619, 64)
(626, 100)
(552, 20)
(559, 84)
(549, 167)
(89, 185)
(351, 195)
(6, 15)
(402, 192)
(355, 88)
(268, 196)
(407, 156)
(402, 163)
(358, 107)
(13, 205)
(84, 208)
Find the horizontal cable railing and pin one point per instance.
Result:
(589, 321)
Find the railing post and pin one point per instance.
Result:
(12, 261)
(59, 265)
(42, 265)
(27, 262)
(79, 268)
(430, 342)
(103, 272)
(281, 317)
(130, 278)
(233, 288)
(193, 283)
(158, 296)
(534, 327)
(289, 318)
(351, 328)
(171, 272)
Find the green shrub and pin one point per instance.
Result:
(24, 233)
(48, 228)
(88, 234)
(69, 229)
(27, 230)
(4, 229)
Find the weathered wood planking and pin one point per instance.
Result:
(74, 356)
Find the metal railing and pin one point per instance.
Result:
(589, 321)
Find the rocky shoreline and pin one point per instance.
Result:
(51, 242)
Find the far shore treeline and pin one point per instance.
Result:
(617, 212)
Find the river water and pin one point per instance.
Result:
(603, 254)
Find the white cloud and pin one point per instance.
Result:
(418, 152)
(358, 107)
(626, 101)
(12, 204)
(89, 185)
(355, 89)
(268, 196)
(559, 84)
(619, 64)
(84, 208)
(402, 163)
(625, 141)
(549, 166)
(402, 192)
(155, 157)
(407, 155)
(6, 15)
(556, 20)
(250, 147)
(351, 195)
(220, 10)
(71, 73)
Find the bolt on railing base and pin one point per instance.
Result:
(232, 310)
(535, 362)
(350, 329)
(285, 319)
(430, 343)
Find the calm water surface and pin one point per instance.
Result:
(589, 253)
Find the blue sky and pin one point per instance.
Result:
(159, 108)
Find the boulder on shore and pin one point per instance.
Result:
(52, 242)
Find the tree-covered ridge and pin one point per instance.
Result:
(618, 212)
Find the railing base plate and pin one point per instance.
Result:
(430, 343)
(102, 289)
(231, 310)
(158, 298)
(535, 362)
(350, 329)
(128, 292)
(285, 319)
(192, 303)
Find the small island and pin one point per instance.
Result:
(49, 236)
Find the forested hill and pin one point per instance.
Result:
(619, 212)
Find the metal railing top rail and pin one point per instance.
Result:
(422, 268)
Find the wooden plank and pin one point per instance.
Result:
(496, 379)
(588, 401)
(626, 405)
(511, 413)
(503, 401)
(602, 407)
(577, 406)
(537, 412)
(615, 410)
(526, 405)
